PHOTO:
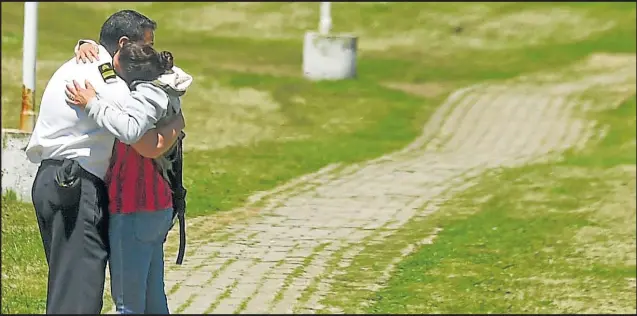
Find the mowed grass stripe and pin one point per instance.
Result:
(525, 147)
(548, 137)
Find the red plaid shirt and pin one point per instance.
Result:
(135, 184)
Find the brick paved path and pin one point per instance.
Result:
(264, 263)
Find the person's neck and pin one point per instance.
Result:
(108, 50)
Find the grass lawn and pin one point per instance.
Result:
(23, 264)
(253, 123)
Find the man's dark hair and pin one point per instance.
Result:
(143, 62)
(129, 23)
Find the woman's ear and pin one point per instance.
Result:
(122, 41)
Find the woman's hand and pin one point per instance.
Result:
(87, 52)
(79, 96)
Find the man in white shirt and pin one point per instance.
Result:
(68, 192)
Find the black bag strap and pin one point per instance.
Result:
(157, 83)
(182, 237)
(179, 197)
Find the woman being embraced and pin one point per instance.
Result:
(140, 197)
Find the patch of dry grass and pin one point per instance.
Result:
(112, 6)
(490, 26)
(611, 237)
(234, 116)
(535, 26)
(426, 90)
(252, 20)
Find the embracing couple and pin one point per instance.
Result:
(109, 179)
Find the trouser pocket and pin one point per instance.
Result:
(152, 227)
(68, 184)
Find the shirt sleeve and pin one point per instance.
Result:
(82, 41)
(131, 116)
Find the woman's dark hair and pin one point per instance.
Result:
(143, 62)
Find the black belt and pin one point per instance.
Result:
(83, 173)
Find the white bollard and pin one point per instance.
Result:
(326, 56)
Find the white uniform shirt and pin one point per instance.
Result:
(63, 131)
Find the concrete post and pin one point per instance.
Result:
(326, 56)
(18, 173)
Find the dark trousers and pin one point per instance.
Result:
(73, 225)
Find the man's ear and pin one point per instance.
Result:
(122, 40)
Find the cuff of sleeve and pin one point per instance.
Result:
(91, 103)
(80, 42)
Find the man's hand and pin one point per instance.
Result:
(87, 52)
(79, 96)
